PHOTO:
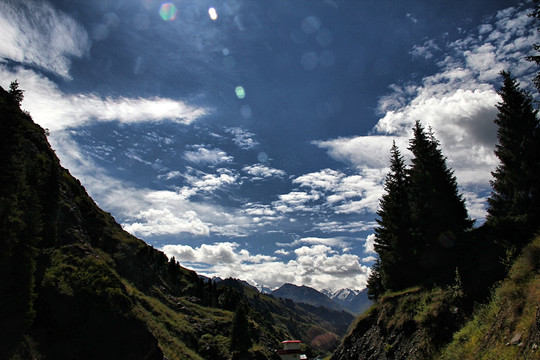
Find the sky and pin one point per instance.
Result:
(251, 139)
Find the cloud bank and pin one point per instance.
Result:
(317, 264)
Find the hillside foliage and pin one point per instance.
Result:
(75, 285)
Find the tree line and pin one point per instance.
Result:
(423, 230)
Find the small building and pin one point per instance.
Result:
(291, 350)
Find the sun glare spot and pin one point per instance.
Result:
(212, 13)
(262, 157)
(240, 92)
(168, 11)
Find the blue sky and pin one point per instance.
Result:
(251, 138)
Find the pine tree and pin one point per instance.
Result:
(16, 93)
(374, 283)
(392, 241)
(240, 338)
(437, 210)
(514, 204)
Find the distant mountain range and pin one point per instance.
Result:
(354, 301)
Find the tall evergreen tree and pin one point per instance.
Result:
(514, 204)
(437, 210)
(392, 241)
(240, 338)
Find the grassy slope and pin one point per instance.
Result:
(512, 313)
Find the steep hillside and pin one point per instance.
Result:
(74, 285)
(508, 327)
(411, 324)
(435, 324)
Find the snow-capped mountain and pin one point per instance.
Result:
(355, 301)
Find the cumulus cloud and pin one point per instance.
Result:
(164, 222)
(326, 179)
(200, 182)
(346, 194)
(261, 171)
(36, 34)
(296, 201)
(318, 266)
(369, 245)
(202, 155)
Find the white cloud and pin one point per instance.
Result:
(426, 50)
(326, 179)
(163, 221)
(36, 34)
(317, 266)
(55, 110)
(369, 245)
(326, 242)
(349, 226)
(171, 175)
(207, 183)
(346, 194)
(203, 155)
(363, 151)
(296, 201)
(261, 171)
(242, 138)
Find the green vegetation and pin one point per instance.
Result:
(75, 285)
(507, 326)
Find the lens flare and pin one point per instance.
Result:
(212, 13)
(168, 11)
(240, 92)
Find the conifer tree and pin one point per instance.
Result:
(514, 204)
(240, 338)
(392, 241)
(374, 283)
(437, 210)
(16, 93)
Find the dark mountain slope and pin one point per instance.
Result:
(73, 284)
